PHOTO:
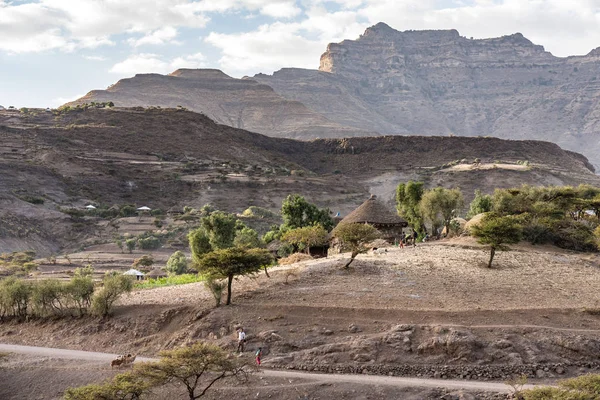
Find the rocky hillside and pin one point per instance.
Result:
(240, 103)
(51, 163)
(440, 83)
(399, 83)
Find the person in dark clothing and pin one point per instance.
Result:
(414, 237)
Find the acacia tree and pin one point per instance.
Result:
(197, 367)
(220, 228)
(232, 262)
(497, 231)
(126, 386)
(306, 237)
(408, 197)
(354, 237)
(439, 206)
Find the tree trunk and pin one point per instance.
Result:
(352, 257)
(229, 282)
(267, 272)
(492, 253)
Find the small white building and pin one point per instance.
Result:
(90, 207)
(139, 275)
(144, 208)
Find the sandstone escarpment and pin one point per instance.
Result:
(240, 103)
(440, 83)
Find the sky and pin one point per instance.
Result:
(54, 51)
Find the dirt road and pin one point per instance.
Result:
(339, 378)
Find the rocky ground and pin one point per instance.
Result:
(430, 311)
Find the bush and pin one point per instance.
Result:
(113, 287)
(14, 297)
(586, 387)
(177, 263)
(48, 297)
(79, 292)
(149, 243)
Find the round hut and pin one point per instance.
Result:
(157, 273)
(374, 212)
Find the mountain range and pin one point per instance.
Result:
(389, 82)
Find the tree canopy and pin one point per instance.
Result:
(497, 231)
(177, 263)
(298, 213)
(306, 237)
(439, 206)
(408, 197)
(354, 238)
(232, 262)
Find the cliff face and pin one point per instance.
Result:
(399, 83)
(439, 83)
(240, 103)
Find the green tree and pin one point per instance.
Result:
(113, 287)
(199, 244)
(15, 295)
(119, 244)
(220, 227)
(247, 237)
(482, 203)
(177, 263)
(497, 231)
(79, 291)
(197, 367)
(298, 213)
(232, 262)
(354, 238)
(408, 197)
(306, 237)
(130, 243)
(48, 297)
(439, 206)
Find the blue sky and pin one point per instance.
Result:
(52, 51)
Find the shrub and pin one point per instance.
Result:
(143, 261)
(216, 287)
(148, 243)
(130, 243)
(14, 297)
(113, 287)
(177, 263)
(48, 297)
(80, 291)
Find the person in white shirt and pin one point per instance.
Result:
(241, 340)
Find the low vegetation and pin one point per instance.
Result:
(354, 238)
(585, 387)
(195, 369)
(172, 280)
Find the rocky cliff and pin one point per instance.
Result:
(401, 83)
(440, 83)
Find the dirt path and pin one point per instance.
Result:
(339, 378)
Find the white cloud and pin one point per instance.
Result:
(59, 101)
(266, 49)
(144, 63)
(95, 58)
(157, 37)
(271, 8)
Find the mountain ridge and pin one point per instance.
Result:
(386, 82)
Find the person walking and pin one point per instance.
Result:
(258, 355)
(414, 237)
(402, 237)
(241, 340)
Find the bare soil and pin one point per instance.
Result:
(430, 311)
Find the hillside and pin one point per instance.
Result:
(240, 103)
(170, 158)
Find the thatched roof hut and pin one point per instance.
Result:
(375, 213)
(157, 273)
